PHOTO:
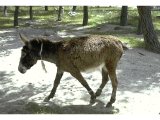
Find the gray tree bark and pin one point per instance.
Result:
(5, 11)
(60, 13)
(46, 8)
(124, 16)
(85, 15)
(31, 13)
(150, 37)
(16, 13)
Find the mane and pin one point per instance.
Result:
(48, 45)
(37, 41)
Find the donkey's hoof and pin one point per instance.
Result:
(109, 104)
(98, 92)
(92, 101)
(46, 99)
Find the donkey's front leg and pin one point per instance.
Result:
(59, 75)
(76, 73)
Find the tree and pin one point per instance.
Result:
(85, 15)
(74, 8)
(30, 13)
(60, 13)
(150, 36)
(5, 11)
(46, 8)
(124, 16)
(16, 12)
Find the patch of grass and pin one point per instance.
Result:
(156, 19)
(106, 17)
(133, 17)
(132, 41)
(6, 22)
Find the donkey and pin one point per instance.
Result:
(75, 56)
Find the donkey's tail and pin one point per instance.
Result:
(124, 46)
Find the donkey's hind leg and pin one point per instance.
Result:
(76, 73)
(112, 74)
(104, 81)
(56, 83)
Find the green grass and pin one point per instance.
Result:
(97, 16)
(132, 41)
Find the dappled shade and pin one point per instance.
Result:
(138, 74)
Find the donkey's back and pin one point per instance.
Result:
(89, 52)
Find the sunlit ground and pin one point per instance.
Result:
(138, 90)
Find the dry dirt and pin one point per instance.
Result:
(138, 75)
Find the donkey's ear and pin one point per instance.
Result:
(24, 39)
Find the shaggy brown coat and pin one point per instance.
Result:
(76, 55)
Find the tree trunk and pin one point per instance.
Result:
(124, 16)
(85, 15)
(150, 36)
(31, 13)
(60, 13)
(74, 8)
(16, 12)
(139, 29)
(5, 11)
(46, 8)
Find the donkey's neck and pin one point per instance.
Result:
(49, 51)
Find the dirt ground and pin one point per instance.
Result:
(138, 75)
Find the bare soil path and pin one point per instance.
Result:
(138, 74)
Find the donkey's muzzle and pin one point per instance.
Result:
(22, 69)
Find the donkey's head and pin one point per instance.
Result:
(29, 54)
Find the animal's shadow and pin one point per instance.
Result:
(52, 108)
